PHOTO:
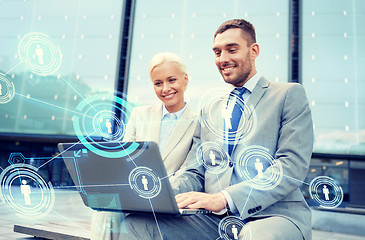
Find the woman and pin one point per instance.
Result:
(170, 123)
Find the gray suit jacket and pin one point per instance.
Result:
(284, 127)
(144, 125)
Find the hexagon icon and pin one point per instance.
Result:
(16, 158)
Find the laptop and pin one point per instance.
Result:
(134, 181)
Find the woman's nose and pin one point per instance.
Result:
(166, 87)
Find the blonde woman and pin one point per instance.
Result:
(170, 123)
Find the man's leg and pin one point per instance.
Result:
(270, 228)
(167, 227)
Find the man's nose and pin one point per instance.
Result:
(224, 57)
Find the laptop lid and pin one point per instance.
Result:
(137, 182)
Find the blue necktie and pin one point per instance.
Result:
(237, 111)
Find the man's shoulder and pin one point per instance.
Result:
(285, 86)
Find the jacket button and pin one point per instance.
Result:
(230, 164)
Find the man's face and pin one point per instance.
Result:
(234, 59)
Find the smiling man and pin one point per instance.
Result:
(283, 129)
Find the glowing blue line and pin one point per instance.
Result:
(128, 155)
(13, 68)
(41, 158)
(63, 151)
(96, 185)
(168, 176)
(296, 179)
(154, 215)
(76, 91)
(246, 202)
(37, 100)
(220, 186)
(177, 171)
(71, 221)
(78, 176)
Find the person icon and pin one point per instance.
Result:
(108, 125)
(326, 192)
(259, 167)
(212, 158)
(39, 52)
(227, 118)
(235, 231)
(145, 182)
(227, 114)
(26, 191)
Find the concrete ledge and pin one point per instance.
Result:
(55, 231)
(338, 222)
(352, 210)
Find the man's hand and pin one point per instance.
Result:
(210, 201)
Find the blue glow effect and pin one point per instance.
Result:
(100, 124)
(40, 54)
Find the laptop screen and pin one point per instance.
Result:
(136, 182)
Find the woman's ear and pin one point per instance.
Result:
(186, 81)
(186, 78)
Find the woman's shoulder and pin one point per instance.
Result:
(147, 111)
(146, 108)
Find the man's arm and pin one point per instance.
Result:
(293, 151)
(193, 177)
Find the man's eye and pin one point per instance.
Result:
(172, 80)
(232, 50)
(217, 53)
(157, 84)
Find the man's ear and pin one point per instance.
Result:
(255, 50)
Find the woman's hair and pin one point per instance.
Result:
(164, 57)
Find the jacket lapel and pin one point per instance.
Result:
(252, 102)
(178, 132)
(155, 124)
(257, 93)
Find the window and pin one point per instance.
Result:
(187, 28)
(87, 36)
(333, 53)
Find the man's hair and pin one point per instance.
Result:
(164, 57)
(247, 28)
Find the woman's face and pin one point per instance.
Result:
(169, 83)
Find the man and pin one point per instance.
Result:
(283, 136)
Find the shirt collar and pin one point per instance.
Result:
(251, 83)
(178, 114)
